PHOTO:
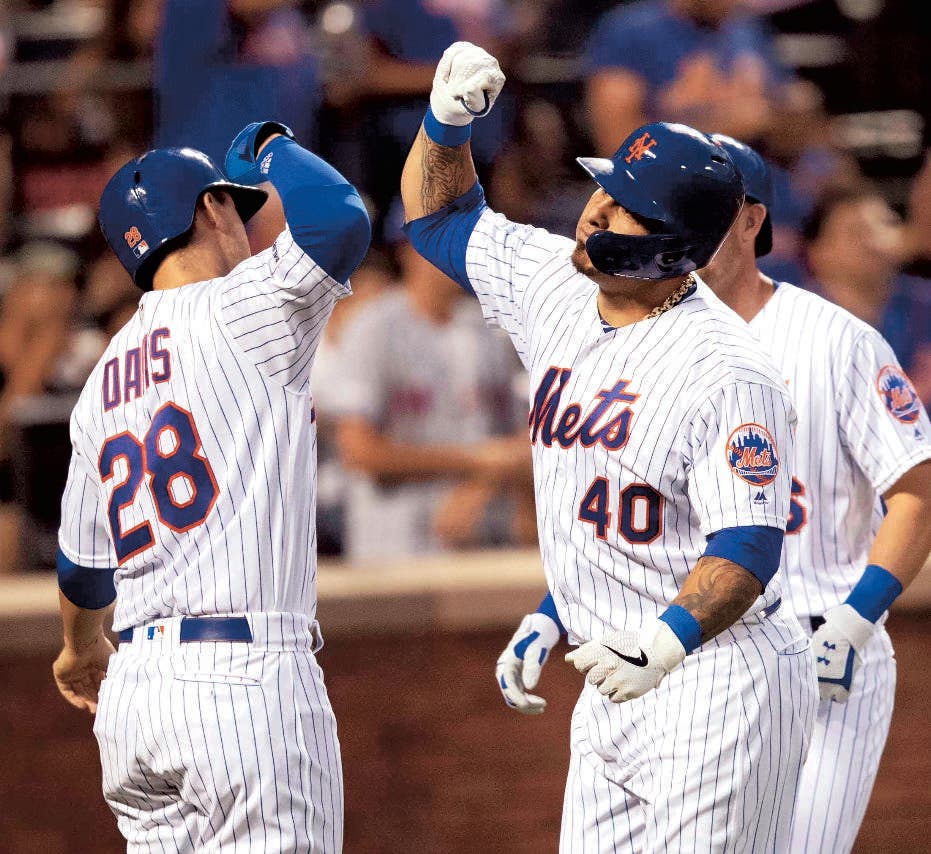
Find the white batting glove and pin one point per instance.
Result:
(625, 665)
(518, 668)
(467, 82)
(836, 645)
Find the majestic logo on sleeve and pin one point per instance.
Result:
(898, 394)
(607, 422)
(751, 454)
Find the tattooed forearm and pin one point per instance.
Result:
(717, 593)
(444, 172)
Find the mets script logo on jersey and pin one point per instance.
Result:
(604, 422)
(642, 144)
(135, 242)
(751, 454)
(898, 394)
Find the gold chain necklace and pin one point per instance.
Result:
(674, 298)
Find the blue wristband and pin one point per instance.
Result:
(684, 626)
(451, 136)
(548, 606)
(874, 592)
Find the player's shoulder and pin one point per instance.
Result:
(536, 245)
(720, 348)
(793, 304)
(827, 333)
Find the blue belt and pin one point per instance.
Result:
(194, 629)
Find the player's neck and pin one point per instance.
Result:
(624, 301)
(744, 295)
(191, 264)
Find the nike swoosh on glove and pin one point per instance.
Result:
(626, 665)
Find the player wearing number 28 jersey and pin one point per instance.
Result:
(193, 476)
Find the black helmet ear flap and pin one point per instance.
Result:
(651, 256)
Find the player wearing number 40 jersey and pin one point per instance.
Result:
(862, 435)
(193, 476)
(661, 453)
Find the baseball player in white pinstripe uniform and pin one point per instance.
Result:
(857, 531)
(193, 475)
(662, 449)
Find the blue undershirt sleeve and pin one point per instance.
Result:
(324, 212)
(85, 586)
(757, 548)
(548, 606)
(443, 236)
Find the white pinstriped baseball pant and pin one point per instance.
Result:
(846, 746)
(220, 746)
(708, 762)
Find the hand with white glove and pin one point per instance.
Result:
(836, 645)
(518, 669)
(467, 82)
(625, 665)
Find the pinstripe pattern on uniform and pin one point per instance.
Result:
(710, 760)
(717, 773)
(216, 746)
(846, 748)
(849, 448)
(222, 746)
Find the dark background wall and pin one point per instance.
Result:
(433, 760)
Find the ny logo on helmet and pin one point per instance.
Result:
(640, 147)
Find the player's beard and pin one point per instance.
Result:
(582, 262)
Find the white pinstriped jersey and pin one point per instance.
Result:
(861, 426)
(646, 439)
(194, 446)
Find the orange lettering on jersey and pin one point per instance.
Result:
(132, 237)
(750, 459)
(639, 148)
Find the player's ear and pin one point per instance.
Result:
(754, 216)
(210, 208)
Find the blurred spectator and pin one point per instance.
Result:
(428, 423)
(405, 39)
(713, 65)
(221, 64)
(855, 249)
(35, 322)
(369, 282)
(535, 178)
(708, 63)
(65, 135)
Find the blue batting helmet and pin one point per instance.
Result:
(682, 185)
(150, 202)
(757, 181)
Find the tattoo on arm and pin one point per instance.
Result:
(717, 593)
(444, 172)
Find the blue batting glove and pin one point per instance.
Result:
(240, 163)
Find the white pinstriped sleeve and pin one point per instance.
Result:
(882, 421)
(275, 307)
(501, 260)
(741, 446)
(84, 532)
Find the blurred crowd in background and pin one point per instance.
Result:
(422, 409)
